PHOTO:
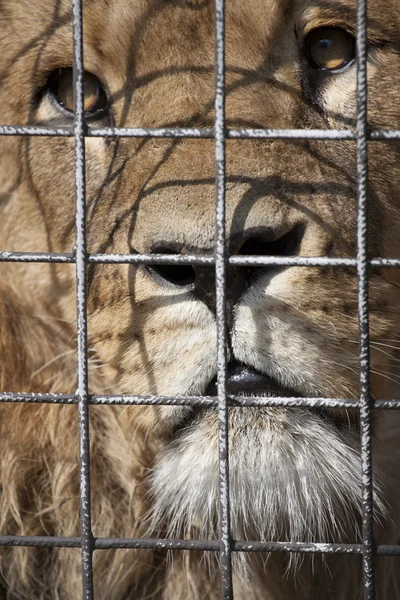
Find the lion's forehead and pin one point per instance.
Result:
(117, 27)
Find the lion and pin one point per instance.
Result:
(295, 473)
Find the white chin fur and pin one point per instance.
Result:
(293, 476)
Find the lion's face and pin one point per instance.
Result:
(292, 331)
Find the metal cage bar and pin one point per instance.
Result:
(46, 541)
(220, 288)
(362, 262)
(200, 401)
(81, 305)
(196, 259)
(363, 312)
(186, 132)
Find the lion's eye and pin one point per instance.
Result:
(95, 97)
(330, 48)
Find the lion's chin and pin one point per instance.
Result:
(294, 476)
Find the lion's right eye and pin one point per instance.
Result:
(61, 91)
(330, 49)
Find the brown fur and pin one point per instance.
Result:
(156, 59)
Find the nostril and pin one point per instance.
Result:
(177, 274)
(181, 275)
(286, 245)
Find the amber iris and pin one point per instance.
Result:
(330, 48)
(95, 98)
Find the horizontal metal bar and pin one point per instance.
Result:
(36, 131)
(40, 541)
(244, 261)
(37, 257)
(292, 134)
(193, 259)
(240, 546)
(302, 547)
(120, 132)
(204, 545)
(159, 132)
(37, 398)
(153, 543)
(291, 261)
(384, 262)
(385, 135)
(196, 401)
(192, 132)
(311, 134)
(153, 259)
(311, 548)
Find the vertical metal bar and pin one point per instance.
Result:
(81, 258)
(362, 272)
(220, 277)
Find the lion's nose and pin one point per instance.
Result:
(200, 279)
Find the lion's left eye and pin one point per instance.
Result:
(61, 90)
(330, 48)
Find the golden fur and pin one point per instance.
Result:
(298, 325)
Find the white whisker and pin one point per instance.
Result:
(52, 360)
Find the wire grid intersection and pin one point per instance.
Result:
(225, 545)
